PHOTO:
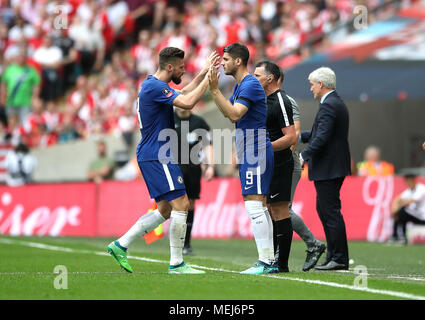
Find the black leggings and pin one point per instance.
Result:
(402, 218)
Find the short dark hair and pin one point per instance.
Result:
(282, 74)
(169, 55)
(238, 50)
(271, 68)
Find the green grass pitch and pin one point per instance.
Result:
(27, 272)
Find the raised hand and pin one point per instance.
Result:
(213, 60)
(213, 76)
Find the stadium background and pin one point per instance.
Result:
(379, 74)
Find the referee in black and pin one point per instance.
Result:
(186, 124)
(280, 125)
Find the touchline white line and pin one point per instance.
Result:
(397, 294)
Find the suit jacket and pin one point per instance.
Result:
(328, 152)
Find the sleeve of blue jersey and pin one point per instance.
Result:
(164, 94)
(249, 92)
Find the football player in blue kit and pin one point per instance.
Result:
(160, 171)
(247, 108)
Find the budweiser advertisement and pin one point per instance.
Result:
(111, 208)
(48, 210)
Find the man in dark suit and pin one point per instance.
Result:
(328, 158)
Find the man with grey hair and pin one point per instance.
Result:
(328, 158)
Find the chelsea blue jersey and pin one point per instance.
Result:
(251, 129)
(155, 113)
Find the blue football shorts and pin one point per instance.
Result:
(256, 178)
(164, 181)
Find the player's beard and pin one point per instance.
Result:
(230, 71)
(176, 80)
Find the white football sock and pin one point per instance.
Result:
(144, 224)
(269, 219)
(177, 233)
(262, 230)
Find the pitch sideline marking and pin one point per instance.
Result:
(319, 282)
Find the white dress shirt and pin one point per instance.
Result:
(325, 95)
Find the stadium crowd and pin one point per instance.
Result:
(72, 68)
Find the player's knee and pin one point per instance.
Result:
(280, 210)
(181, 204)
(186, 204)
(164, 209)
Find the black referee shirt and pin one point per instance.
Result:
(279, 115)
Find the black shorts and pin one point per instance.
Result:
(192, 180)
(280, 186)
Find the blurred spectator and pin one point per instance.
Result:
(86, 10)
(20, 165)
(7, 14)
(142, 12)
(143, 54)
(333, 22)
(132, 73)
(35, 126)
(118, 65)
(4, 136)
(31, 10)
(3, 39)
(21, 29)
(89, 43)
(15, 129)
(409, 206)
(178, 37)
(104, 102)
(270, 13)
(372, 165)
(71, 128)
(128, 124)
(117, 12)
(49, 57)
(104, 26)
(20, 86)
(101, 168)
(81, 103)
(53, 120)
(129, 171)
(69, 58)
(13, 49)
(118, 21)
(5, 147)
(119, 90)
(286, 38)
